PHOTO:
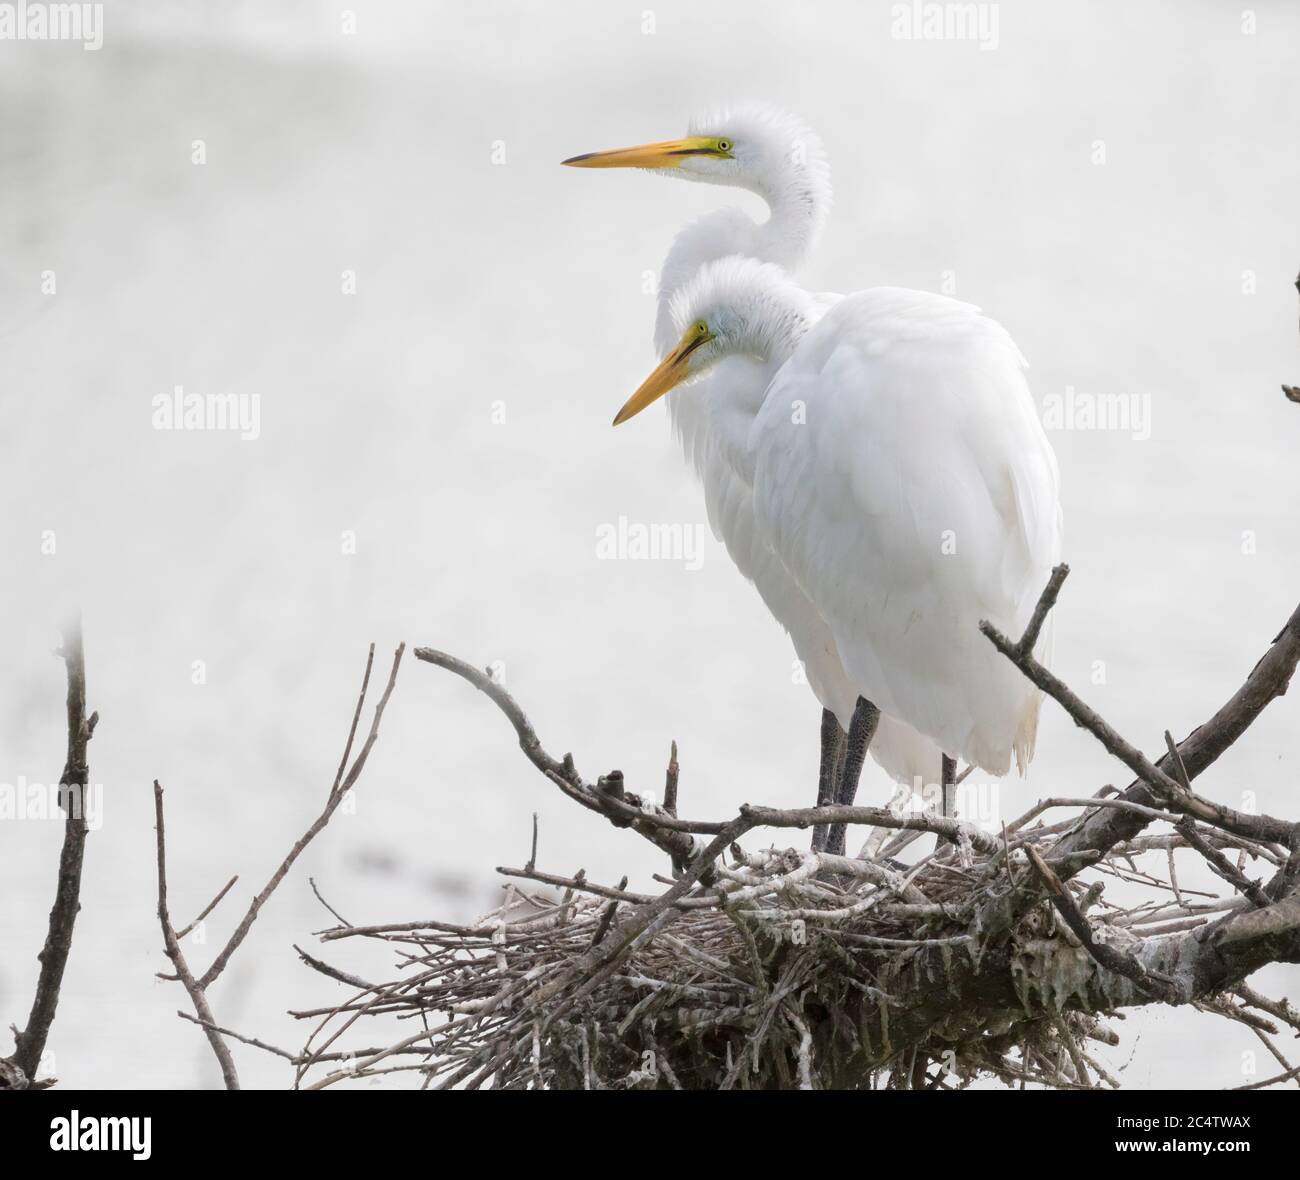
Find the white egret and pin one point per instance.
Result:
(774, 155)
(901, 475)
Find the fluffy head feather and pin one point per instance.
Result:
(774, 154)
(751, 308)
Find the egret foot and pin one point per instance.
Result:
(861, 730)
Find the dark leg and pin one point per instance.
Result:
(949, 777)
(828, 775)
(948, 794)
(861, 730)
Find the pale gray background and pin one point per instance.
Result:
(523, 283)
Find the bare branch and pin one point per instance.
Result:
(1153, 776)
(670, 782)
(336, 796)
(1042, 608)
(212, 905)
(197, 988)
(73, 784)
(192, 987)
(952, 830)
(1221, 865)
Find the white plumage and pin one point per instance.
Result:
(873, 464)
(901, 478)
(919, 497)
(780, 159)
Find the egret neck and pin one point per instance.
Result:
(798, 203)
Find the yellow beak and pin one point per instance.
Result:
(671, 371)
(668, 154)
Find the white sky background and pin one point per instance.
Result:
(522, 283)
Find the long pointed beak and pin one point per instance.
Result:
(670, 372)
(668, 154)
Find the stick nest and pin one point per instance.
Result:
(792, 970)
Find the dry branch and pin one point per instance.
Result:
(197, 986)
(173, 948)
(19, 1071)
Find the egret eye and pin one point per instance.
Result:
(702, 328)
(724, 145)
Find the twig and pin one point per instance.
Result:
(1155, 984)
(670, 782)
(337, 794)
(1221, 865)
(1269, 679)
(805, 817)
(1282, 1077)
(1278, 1008)
(356, 718)
(1258, 827)
(620, 807)
(292, 1058)
(192, 986)
(333, 972)
(197, 988)
(1042, 608)
(212, 905)
(1072, 1047)
(342, 920)
(607, 918)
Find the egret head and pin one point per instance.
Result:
(735, 306)
(753, 146)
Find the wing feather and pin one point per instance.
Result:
(903, 477)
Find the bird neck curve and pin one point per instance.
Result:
(797, 206)
(706, 239)
(798, 201)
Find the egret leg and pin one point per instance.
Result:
(828, 775)
(861, 730)
(948, 796)
(949, 782)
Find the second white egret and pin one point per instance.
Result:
(901, 475)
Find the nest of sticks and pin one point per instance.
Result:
(942, 954)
